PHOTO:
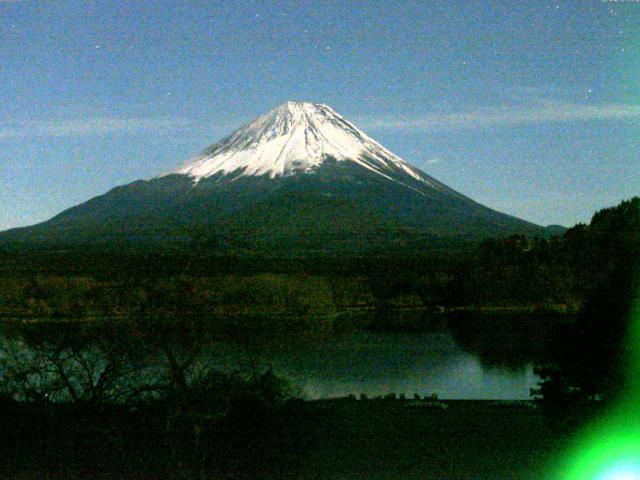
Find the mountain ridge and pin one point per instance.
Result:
(300, 175)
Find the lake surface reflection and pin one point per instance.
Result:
(379, 364)
(469, 358)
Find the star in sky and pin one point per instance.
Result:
(442, 42)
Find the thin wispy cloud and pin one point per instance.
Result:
(539, 113)
(91, 126)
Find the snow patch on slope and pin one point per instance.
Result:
(297, 137)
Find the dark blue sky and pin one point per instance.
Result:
(531, 108)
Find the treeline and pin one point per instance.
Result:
(535, 273)
(76, 297)
(590, 358)
(111, 262)
(561, 271)
(518, 271)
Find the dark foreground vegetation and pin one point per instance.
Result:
(102, 409)
(381, 439)
(588, 368)
(140, 401)
(109, 368)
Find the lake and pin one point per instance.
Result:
(378, 364)
(468, 358)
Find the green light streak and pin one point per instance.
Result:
(610, 448)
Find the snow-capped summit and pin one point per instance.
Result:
(297, 137)
(299, 180)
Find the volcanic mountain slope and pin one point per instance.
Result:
(300, 178)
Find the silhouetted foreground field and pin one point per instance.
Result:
(330, 439)
(469, 440)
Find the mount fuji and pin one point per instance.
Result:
(297, 180)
